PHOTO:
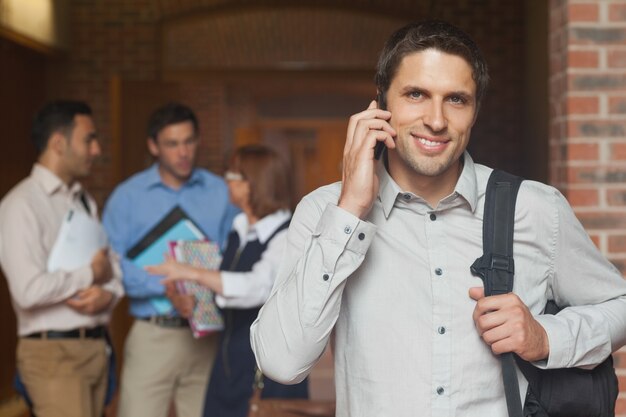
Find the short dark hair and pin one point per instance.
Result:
(268, 175)
(56, 116)
(435, 34)
(169, 114)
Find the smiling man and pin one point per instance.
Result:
(382, 259)
(162, 360)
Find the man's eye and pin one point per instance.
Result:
(457, 100)
(415, 94)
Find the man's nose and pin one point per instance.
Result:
(96, 150)
(435, 117)
(184, 150)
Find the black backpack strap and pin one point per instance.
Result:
(496, 266)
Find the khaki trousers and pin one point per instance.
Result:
(161, 364)
(64, 377)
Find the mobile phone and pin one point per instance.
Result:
(380, 147)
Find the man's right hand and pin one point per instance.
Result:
(101, 267)
(183, 303)
(359, 180)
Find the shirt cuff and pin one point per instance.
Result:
(340, 243)
(220, 301)
(229, 289)
(559, 341)
(346, 230)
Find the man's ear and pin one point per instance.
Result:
(58, 143)
(153, 148)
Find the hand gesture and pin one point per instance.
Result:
(174, 271)
(505, 323)
(359, 179)
(91, 301)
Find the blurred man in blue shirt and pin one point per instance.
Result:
(162, 360)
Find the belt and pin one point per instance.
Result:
(167, 321)
(81, 333)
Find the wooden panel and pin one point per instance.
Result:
(247, 136)
(330, 142)
(138, 99)
(21, 93)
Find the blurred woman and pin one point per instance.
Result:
(258, 182)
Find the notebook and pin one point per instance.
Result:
(206, 317)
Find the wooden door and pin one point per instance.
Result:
(314, 149)
(132, 102)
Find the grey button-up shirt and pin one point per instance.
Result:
(395, 288)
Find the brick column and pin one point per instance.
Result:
(588, 124)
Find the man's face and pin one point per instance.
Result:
(175, 148)
(432, 100)
(81, 149)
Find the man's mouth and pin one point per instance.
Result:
(431, 144)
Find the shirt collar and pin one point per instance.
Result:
(466, 186)
(263, 229)
(51, 183)
(154, 178)
(388, 189)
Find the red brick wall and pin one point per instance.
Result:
(112, 37)
(588, 123)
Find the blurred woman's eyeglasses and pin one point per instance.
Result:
(233, 176)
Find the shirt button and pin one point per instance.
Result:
(361, 236)
(407, 197)
(433, 216)
(438, 271)
(325, 277)
(440, 390)
(441, 330)
(347, 230)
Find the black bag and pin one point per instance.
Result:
(566, 392)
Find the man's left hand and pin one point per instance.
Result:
(90, 301)
(505, 323)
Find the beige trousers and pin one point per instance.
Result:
(64, 377)
(163, 364)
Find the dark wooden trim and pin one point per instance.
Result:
(115, 94)
(221, 74)
(382, 9)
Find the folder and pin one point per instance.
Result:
(79, 238)
(152, 248)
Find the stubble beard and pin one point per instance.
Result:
(424, 165)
